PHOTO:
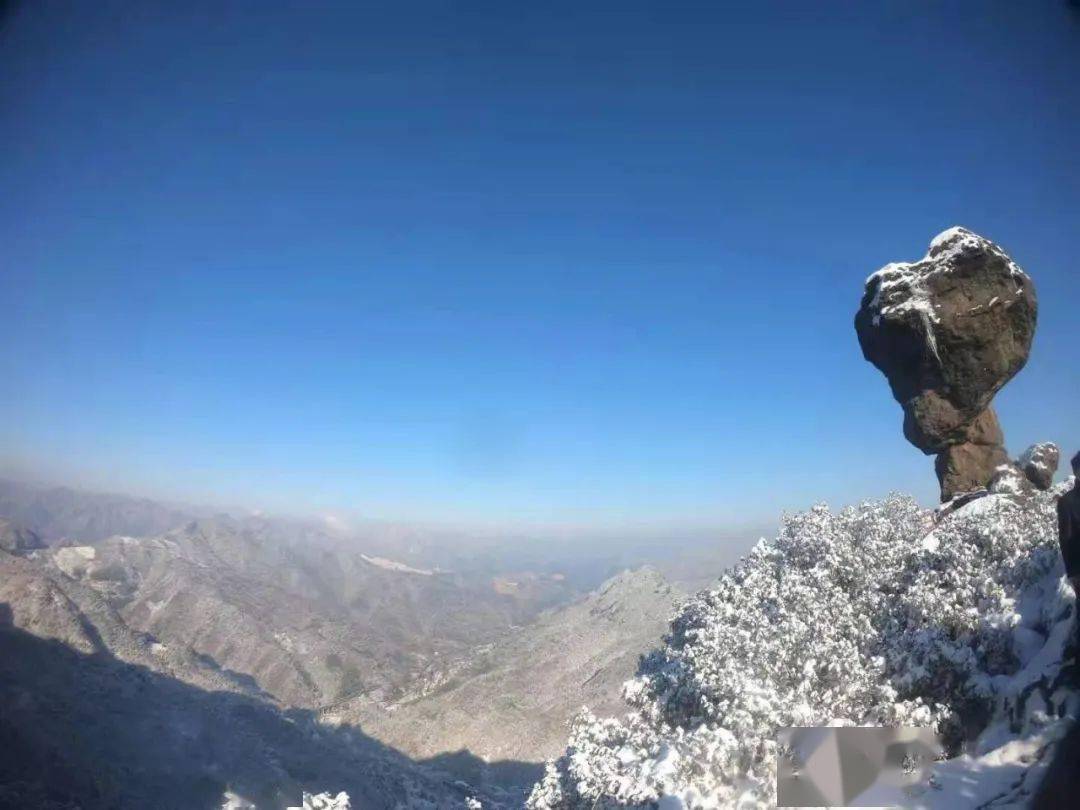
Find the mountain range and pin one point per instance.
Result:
(418, 680)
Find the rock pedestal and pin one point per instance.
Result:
(948, 332)
(967, 467)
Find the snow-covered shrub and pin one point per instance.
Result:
(325, 801)
(871, 615)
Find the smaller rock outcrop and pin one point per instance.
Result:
(1039, 463)
(1009, 480)
(948, 331)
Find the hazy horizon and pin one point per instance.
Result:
(587, 269)
(350, 521)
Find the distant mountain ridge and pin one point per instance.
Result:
(58, 512)
(312, 620)
(470, 670)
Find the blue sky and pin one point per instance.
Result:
(575, 264)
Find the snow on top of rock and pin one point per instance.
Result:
(957, 241)
(1008, 481)
(1035, 454)
(981, 506)
(955, 238)
(1042, 458)
(900, 287)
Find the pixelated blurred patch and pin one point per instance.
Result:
(854, 767)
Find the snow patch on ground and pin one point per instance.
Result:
(394, 565)
(73, 560)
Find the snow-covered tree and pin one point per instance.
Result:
(884, 613)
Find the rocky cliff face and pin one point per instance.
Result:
(948, 331)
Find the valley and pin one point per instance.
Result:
(468, 675)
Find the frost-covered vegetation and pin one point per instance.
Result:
(310, 801)
(884, 613)
(326, 801)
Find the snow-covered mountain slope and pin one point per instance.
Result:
(312, 620)
(881, 614)
(512, 700)
(94, 714)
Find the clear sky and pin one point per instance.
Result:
(560, 263)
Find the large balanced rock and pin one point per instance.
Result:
(948, 331)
